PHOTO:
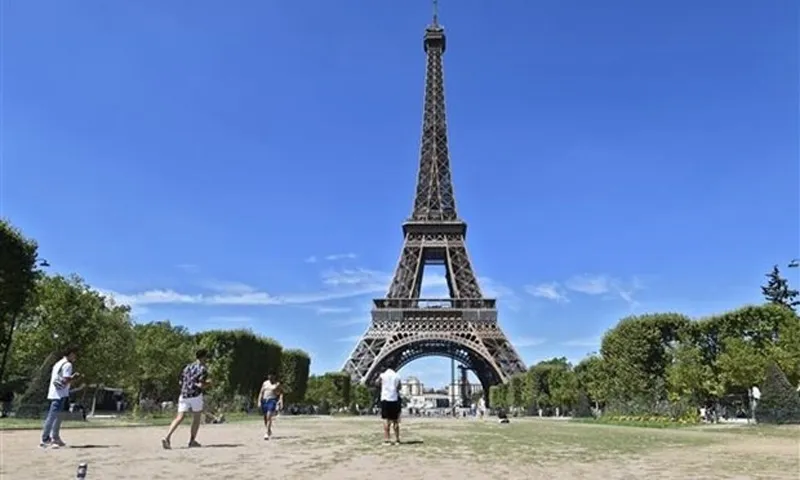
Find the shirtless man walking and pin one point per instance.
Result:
(193, 381)
(390, 404)
(271, 400)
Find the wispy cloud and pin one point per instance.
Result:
(341, 256)
(550, 291)
(332, 310)
(527, 342)
(188, 267)
(332, 257)
(229, 288)
(337, 284)
(589, 284)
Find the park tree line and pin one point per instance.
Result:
(667, 366)
(40, 314)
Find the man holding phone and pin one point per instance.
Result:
(61, 378)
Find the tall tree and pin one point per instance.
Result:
(162, 349)
(777, 290)
(18, 273)
(68, 312)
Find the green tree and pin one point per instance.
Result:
(514, 391)
(636, 354)
(67, 312)
(741, 364)
(780, 403)
(689, 377)
(592, 378)
(786, 351)
(162, 350)
(320, 389)
(363, 397)
(331, 390)
(777, 290)
(563, 385)
(498, 396)
(18, 274)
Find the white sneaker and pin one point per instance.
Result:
(267, 436)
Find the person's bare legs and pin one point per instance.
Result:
(270, 416)
(197, 417)
(386, 424)
(165, 442)
(396, 425)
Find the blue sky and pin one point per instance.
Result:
(250, 166)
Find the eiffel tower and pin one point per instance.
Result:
(405, 327)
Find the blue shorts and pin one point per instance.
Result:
(269, 406)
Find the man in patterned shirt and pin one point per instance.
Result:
(193, 381)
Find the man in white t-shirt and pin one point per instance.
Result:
(61, 377)
(390, 404)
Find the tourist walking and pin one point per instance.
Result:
(271, 400)
(61, 378)
(390, 404)
(194, 380)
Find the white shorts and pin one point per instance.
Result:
(191, 404)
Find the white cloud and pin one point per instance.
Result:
(188, 267)
(340, 256)
(550, 291)
(229, 288)
(606, 285)
(588, 284)
(331, 310)
(525, 342)
(311, 259)
(336, 285)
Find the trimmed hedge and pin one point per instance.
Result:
(239, 361)
(295, 365)
(780, 403)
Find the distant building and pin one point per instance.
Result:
(428, 401)
(454, 391)
(411, 387)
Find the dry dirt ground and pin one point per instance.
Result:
(351, 448)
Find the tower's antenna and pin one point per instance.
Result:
(435, 12)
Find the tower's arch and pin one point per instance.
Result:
(461, 350)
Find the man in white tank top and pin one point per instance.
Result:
(390, 404)
(271, 400)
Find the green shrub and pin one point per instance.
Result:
(780, 403)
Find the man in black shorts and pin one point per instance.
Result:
(390, 404)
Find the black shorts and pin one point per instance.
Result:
(390, 410)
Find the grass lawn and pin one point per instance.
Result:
(321, 448)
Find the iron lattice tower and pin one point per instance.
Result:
(405, 327)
